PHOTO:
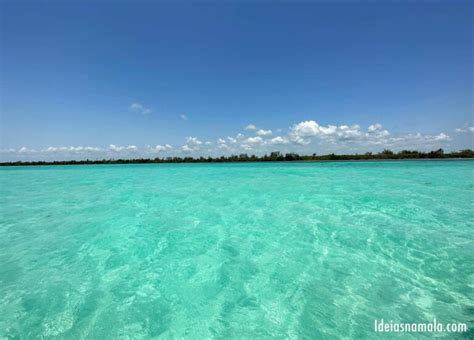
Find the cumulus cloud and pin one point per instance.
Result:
(304, 132)
(354, 137)
(221, 144)
(183, 116)
(441, 137)
(262, 132)
(312, 129)
(115, 148)
(193, 141)
(377, 130)
(375, 127)
(250, 127)
(24, 149)
(192, 144)
(346, 132)
(139, 108)
(250, 143)
(159, 148)
(77, 149)
(465, 129)
(254, 140)
(279, 140)
(303, 137)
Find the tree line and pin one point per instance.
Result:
(272, 157)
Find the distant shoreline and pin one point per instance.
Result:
(386, 155)
(6, 165)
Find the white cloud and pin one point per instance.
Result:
(139, 108)
(279, 140)
(254, 140)
(465, 129)
(375, 127)
(192, 144)
(303, 137)
(193, 141)
(312, 129)
(248, 144)
(250, 127)
(75, 149)
(344, 132)
(442, 137)
(304, 132)
(377, 130)
(353, 138)
(262, 132)
(306, 129)
(187, 148)
(183, 116)
(115, 148)
(157, 148)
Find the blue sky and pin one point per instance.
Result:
(123, 79)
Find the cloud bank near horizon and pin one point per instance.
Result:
(304, 137)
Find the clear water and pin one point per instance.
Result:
(315, 250)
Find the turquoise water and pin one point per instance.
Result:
(312, 250)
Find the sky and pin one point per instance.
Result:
(103, 79)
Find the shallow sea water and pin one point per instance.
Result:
(255, 250)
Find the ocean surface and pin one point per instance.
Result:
(253, 250)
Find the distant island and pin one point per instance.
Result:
(272, 157)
